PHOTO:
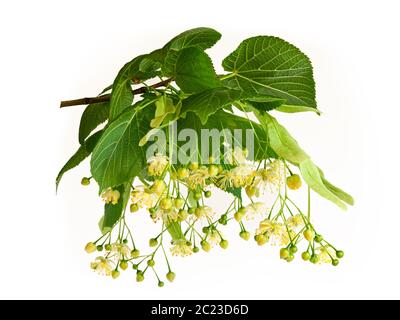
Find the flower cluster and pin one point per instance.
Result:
(176, 198)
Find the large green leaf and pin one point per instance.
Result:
(81, 154)
(210, 101)
(142, 68)
(311, 175)
(94, 115)
(113, 212)
(282, 142)
(194, 71)
(117, 157)
(271, 66)
(201, 38)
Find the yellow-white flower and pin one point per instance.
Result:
(143, 197)
(237, 156)
(325, 254)
(102, 266)
(275, 231)
(254, 210)
(214, 238)
(295, 223)
(198, 177)
(204, 212)
(166, 215)
(157, 165)
(242, 175)
(110, 196)
(181, 248)
(274, 176)
(120, 251)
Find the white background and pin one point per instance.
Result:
(54, 50)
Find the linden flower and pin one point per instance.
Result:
(165, 215)
(102, 266)
(204, 212)
(214, 238)
(110, 195)
(295, 222)
(198, 177)
(242, 176)
(143, 197)
(157, 165)
(254, 210)
(274, 176)
(236, 156)
(325, 254)
(120, 251)
(181, 248)
(275, 231)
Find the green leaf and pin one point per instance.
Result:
(164, 107)
(265, 103)
(117, 157)
(201, 38)
(194, 71)
(282, 142)
(210, 101)
(113, 212)
(236, 192)
(312, 177)
(337, 191)
(295, 109)
(81, 154)
(271, 66)
(94, 115)
(142, 68)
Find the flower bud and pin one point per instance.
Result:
(115, 274)
(151, 263)
(160, 284)
(170, 276)
(135, 253)
(213, 170)
(309, 235)
(178, 203)
(166, 203)
(293, 182)
(261, 239)
(123, 265)
(85, 181)
(193, 165)
(90, 247)
(339, 254)
(153, 242)
(134, 207)
(284, 253)
(183, 173)
(182, 215)
(305, 256)
(139, 276)
(224, 244)
(205, 245)
(207, 194)
(245, 235)
(335, 262)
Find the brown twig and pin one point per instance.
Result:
(106, 97)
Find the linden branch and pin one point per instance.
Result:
(106, 97)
